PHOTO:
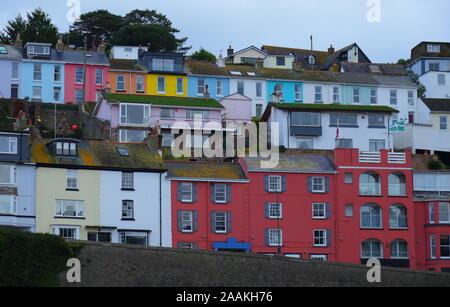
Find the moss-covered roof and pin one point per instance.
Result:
(100, 155)
(164, 100)
(206, 170)
(334, 107)
(296, 163)
(127, 65)
(197, 67)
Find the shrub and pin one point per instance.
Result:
(435, 164)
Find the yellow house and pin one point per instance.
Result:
(167, 85)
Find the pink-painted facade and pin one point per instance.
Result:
(93, 82)
(238, 108)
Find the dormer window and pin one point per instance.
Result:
(65, 148)
(38, 50)
(433, 48)
(163, 64)
(123, 152)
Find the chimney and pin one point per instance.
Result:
(101, 47)
(230, 51)
(331, 50)
(153, 140)
(220, 61)
(206, 95)
(259, 64)
(19, 42)
(60, 44)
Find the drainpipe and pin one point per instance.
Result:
(160, 209)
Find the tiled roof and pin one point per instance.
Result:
(196, 67)
(206, 170)
(374, 68)
(437, 105)
(12, 53)
(244, 70)
(403, 81)
(127, 65)
(295, 163)
(72, 57)
(101, 155)
(164, 100)
(275, 50)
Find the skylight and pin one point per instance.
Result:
(123, 152)
(251, 74)
(3, 50)
(236, 73)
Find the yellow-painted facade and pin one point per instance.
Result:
(51, 185)
(170, 88)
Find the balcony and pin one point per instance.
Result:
(376, 157)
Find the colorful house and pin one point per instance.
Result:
(127, 77)
(11, 71)
(206, 78)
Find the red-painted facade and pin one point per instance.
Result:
(71, 85)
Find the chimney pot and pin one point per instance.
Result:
(230, 51)
(19, 42)
(60, 44)
(331, 50)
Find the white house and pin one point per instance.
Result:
(127, 52)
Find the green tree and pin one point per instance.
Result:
(421, 90)
(403, 62)
(204, 55)
(39, 28)
(13, 27)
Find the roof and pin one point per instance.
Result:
(164, 100)
(437, 105)
(244, 71)
(374, 68)
(335, 56)
(73, 57)
(295, 163)
(206, 170)
(245, 49)
(127, 65)
(421, 50)
(100, 155)
(275, 50)
(397, 81)
(197, 67)
(12, 53)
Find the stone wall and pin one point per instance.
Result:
(132, 266)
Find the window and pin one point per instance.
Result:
(279, 90)
(433, 66)
(318, 94)
(411, 98)
(66, 232)
(139, 83)
(99, 76)
(79, 74)
(344, 143)
(220, 193)
(192, 114)
(241, 87)
(336, 95)
(37, 93)
(373, 96)
(8, 175)
(57, 94)
(39, 50)
(274, 183)
(319, 211)
(65, 149)
(15, 70)
(99, 236)
(258, 90)
(259, 108)
(356, 95)
(37, 72)
(443, 123)
(187, 221)
(397, 217)
(318, 184)
(305, 119)
(348, 178)
(281, 60)
(161, 85)
(297, 92)
(57, 73)
(399, 249)
(220, 222)
(69, 208)
(135, 114)
(200, 87)
(186, 192)
(445, 246)
(320, 238)
(376, 121)
(168, 140)
(372, 249)
(120, 83)
(79, 96)
(274, 210)
(163, 64)
(8, 204)
(371, 216)
(393, 97)
(8, 145)
(295, 256)
(433, 48)
(127, 180)
(348, 210)
(431, 217)
(127, 209)
(305, 143)
(376, 145)
(411, 116)
(186, 245)
(397, 184)
(14, 91)
(128, 49)
(432, 247)
(219, 88)
(134, 238)
(441, 79)
(274, 237)
(72, 179)
(444, 213)
(343, 120)
(167, 113)
(370, 184)
(318, 257)
(132, 136)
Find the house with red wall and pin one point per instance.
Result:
(209, 206)
(375, 208)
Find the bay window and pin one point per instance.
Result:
(135, 114)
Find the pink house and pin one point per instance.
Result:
(238, 108)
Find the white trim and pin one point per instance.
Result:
(207, 180)
(367, 167)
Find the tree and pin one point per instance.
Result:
(403, 62)
(421, 90)
(205, 55)
(96, 25)
(12, 29)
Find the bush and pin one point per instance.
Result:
(32, 260)
(436, 164)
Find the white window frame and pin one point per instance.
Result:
(336, 94)
(37, 72)
(322, 237)
(322, 190)
(127, 180)
(371, 250)
(12, 207)
(158, 89)
(140, 84)
(36, 89)
(128, 209)
(184, 192)
(432, 246)
(77, 70)
(15, 70)
(222, 216)
(166, 138)
(217, 192)
(146, 114)
(12, 170)
(123, 135)
(57, 93)
(56, 231)
(393, 97)
(279, 209)
(440, 212)
(12, 147)
(318, 93)
(98, 76)
(410, 98)
(319, 257)
(120, 80)
(356, 95)
(274, 181)
(396, 243)
(166, 116)
(187, 219)
(201, 87)
(259, 87)
(219, 88)
(275, 237)
(79, 204)
(373, 96)
(238, 83)
(442, 123)
(72, 179)
(322, 210)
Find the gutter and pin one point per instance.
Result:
(160, 209)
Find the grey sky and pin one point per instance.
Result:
(214, 24)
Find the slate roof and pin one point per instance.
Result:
(164, 100)
(245, 49)
(12, 53)
(421, 50)
(206, 170)
(295, 163)
(402, 81)
(374, 68)
(127, 65)
(100, 155)
(437, 105)
(72, 57)
(197, 67)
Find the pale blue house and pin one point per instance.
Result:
(288, 91)
(207, 77)
(10, 71)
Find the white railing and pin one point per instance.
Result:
(397, 157)
(369, 157)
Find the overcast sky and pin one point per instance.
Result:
(215, 24)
